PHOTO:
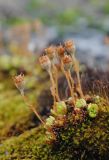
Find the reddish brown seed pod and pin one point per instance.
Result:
(19, 82)
(50, 51)
(70, 46)
(60, 50)
(67, 61)
(45, 62)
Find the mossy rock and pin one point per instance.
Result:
(15, 116)
(88, 140)
(13, 120)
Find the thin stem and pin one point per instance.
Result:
(32, 107)
(53, 86)
(72, 85)
(56, 79)
(79, 86)
(69, 84)
(67, 77)
(71, 79)
(76, 68)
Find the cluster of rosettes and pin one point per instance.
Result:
(62, 59)
(59, 113)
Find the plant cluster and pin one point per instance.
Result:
(75, 108)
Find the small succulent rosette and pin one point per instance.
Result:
(60, 109)
(49, 122)
(80, 103)
(92, 110)
(96, 99)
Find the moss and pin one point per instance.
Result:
(15, 116)
(87, 140)
(13, 120)
(25, 146)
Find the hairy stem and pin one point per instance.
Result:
(32, 107)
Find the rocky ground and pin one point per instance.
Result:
(18, 7)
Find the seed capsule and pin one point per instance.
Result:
(45, 62)
(50, 51)
(60, 51)
(70, 46)
(19, 82)
(67, 61)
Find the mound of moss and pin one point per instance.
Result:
(88, 140)
(15, 116)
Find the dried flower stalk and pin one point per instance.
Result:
(19, 83)
(70, 47)
(51, 52)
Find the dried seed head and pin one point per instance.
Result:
(52, 54)
(50, 51)
(45, 62)
(60, 51)
(67, 61)
(19, 82)
(70, 46)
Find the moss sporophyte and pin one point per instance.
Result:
(75, 108)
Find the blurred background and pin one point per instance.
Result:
(33, 24)
(29, 26)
